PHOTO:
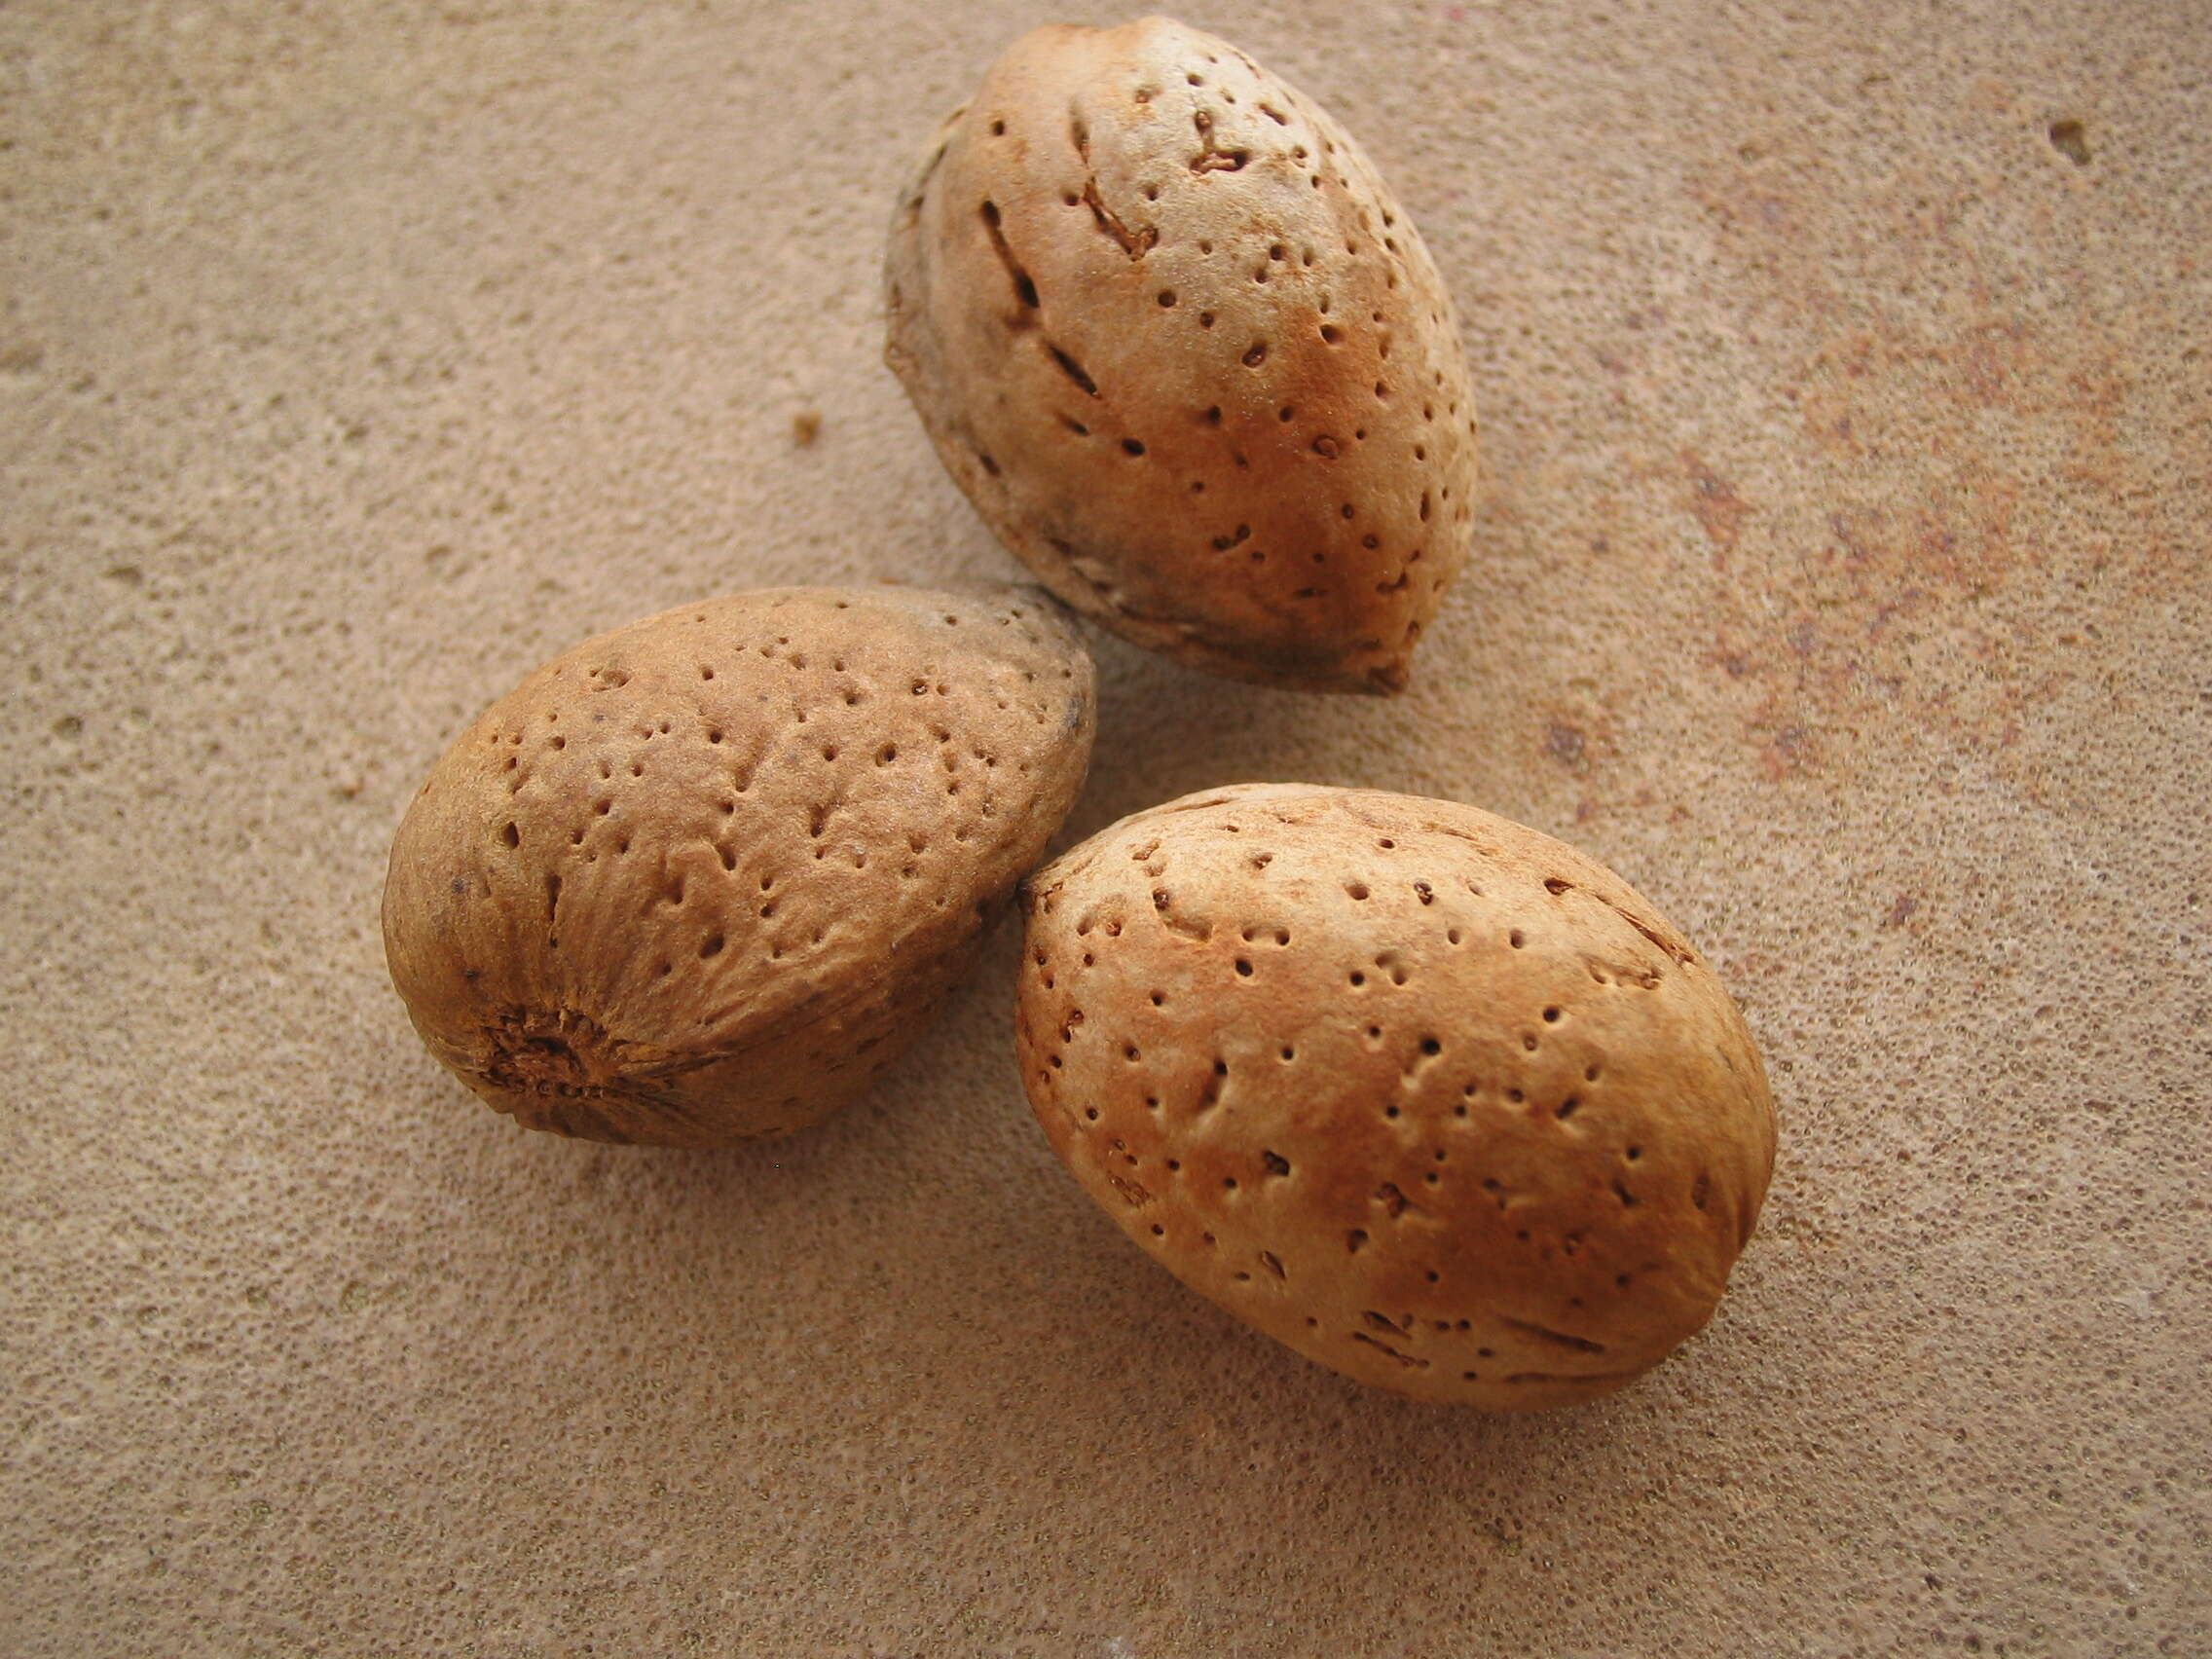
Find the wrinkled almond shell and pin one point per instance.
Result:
(1430, 1097)
(1187, 356)
(703, 878)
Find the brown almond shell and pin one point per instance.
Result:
(702, 879)
(1430, 1097)
(1187, 356)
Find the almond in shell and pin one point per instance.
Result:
(1187, 356)
(1430, 1097)
(704, 878)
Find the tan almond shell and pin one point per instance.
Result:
(1431, 1098)
(703, 878)
(1187, 356)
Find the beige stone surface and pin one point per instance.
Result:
(1840, 579)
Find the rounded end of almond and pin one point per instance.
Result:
(563, 1072)
(555, 1053)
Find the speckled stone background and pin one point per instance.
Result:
(1842, 578)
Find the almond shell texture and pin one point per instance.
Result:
(703, 878)
(1430, 1097)
(1187, 356)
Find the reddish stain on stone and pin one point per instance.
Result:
(1719, 510)
(1901, 911)
(1988, 362)
(1788, 751)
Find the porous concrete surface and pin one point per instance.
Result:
(1841, 579)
